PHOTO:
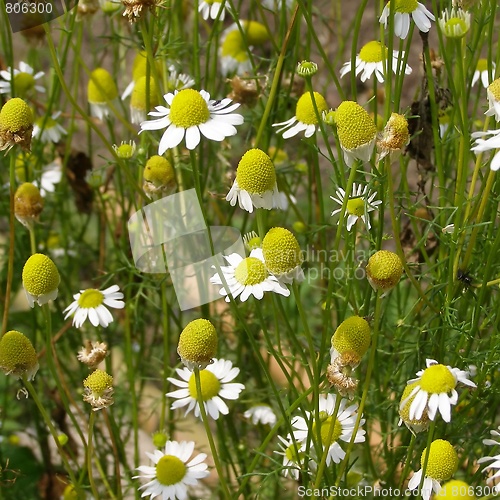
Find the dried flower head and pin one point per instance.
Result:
(98, 390)
(28, 204)
(16, 125)
(92, 353)
(133, 8)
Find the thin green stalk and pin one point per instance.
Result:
(90, 453)
(430, 437)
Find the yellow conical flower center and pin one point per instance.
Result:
(98, 382)
(138, 99)
(396, 134)
(40, 275)
(188, 109)
(294, 455)
(170, 470)
(28, 202)
(210, 385)
(437, 379)
(198, 341)
(373, 52)
(442, 462)
(256, 33)
(404, 412)
(456, 489)
(352, 335)
(482, 65)
(255, 173)
(234, 46)
(250, 271)
(139, 65)
(91, 298)
(101, 87)
(405, 6)
(16, 115)
(23, 82)
(158, 170)
(355, 127)
(304, 111)
(493, 89)
(326, 424)
(281, 251)
(384, 269)
(17, 354)
(356, 206)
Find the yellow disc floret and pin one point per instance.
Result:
(28, 203)
(482, 65)
(188, 109)
(17, 355)
(256, 33)
(255, 173)
(158, 170)
(493, 89)
(442, 462)
(437, 379)
(305, 112)
(396, 135)
(281, 251)
(328, 436)
(384, 270)
(355, 127)
(138, 99)
(352, 336)
(98, 382)
(198, 344)
(16, 124)
(23, 82)
(250, 271)
(209, 383)
(405, 6)
(373, 52)
(170, 470)
(417, 425)
(101, 87)
(40, 275)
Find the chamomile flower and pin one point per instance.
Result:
(190, 113)
(493, 93)
(455, 22)
(402, 11)
(24, 80)
(356, 131)
(343, 428)
(28, 204)
(394, 138)
(293, 457)
(494, 464)
(212, 9)
(48, 129)
(216, 385)
(173, 471)
(98, 390)
(372, 58)
(91, 304)
(16, 125)
(177, 81)
(40, 279)
(247, 276)
(482, 73)
(305, 119)
(435, 391)
(414, 424)
(384, 270)
(144, 93)
(17, 355)
(492, 143)
(197, 344)
(359, 205)
(101, 89)
(261, 414)
(441, 465)
(255, 183)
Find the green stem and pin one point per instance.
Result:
(90, 452)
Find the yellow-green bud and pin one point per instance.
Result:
(352, 337)
(40, 279)
(307, 68)
(17, 355)
(125, 150)
(160, 439)
(16, 124)
(197, 344)
(384, 270)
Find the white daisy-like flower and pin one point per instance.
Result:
(173, 471)
(343, 427)
(51, 175)
(372, 58)
(305, 119)
(48, 129)
(261, 414)
(482, 73)
(492, 143)
(435, 391)
(211, 8)
(493, 93)
(216, 386)
(442, 463)
(92, 303)
(255, 183)
(190, 113)
(494, 464)
(178, 81)
(293, 457)
(359, 205)
(248, 276)
(24, 80)
(402, 11)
